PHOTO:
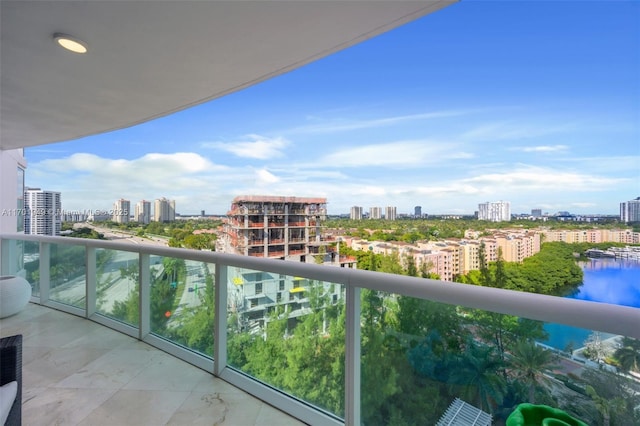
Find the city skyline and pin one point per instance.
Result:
(536, 103)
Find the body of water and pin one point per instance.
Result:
(606, 280)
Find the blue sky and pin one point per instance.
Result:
(536, 103)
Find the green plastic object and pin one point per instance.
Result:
(541, 415)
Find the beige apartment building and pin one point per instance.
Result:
(453, 257)
(626, 236)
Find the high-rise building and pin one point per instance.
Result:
(121, 211)
(285, 228)
(417, 211)
(390, 213)
(630, 211)
(143, 212)
(536, 212)
(276, 227)
(375, 212)
(164, 210)
(43, 212)
(497, 211)
(356, 213)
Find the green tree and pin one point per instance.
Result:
(195, 329)
(412, 270)
(615, 397)
(476, 373)
(628, 355)
(528, 363)
(605, 406)
(500, 280)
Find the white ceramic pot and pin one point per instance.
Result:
(15, 293)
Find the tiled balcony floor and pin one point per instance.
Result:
(77, 372)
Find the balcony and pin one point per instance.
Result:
(371, 348)
(79, 372)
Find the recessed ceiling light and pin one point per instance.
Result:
(70, 43)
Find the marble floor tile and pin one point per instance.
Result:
(54, 364)
(112, 370)
(166, 373)
(134, 407)
(77, 372)
(201, 409)
(61, 406)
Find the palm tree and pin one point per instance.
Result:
(606, 406)
(528, 362)
(477, 370)
(628, 355)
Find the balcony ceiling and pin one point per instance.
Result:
(150, 58)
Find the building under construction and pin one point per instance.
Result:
(275, 227)
(286, 228)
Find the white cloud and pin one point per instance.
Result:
(258, 147)
(88, 181)
(343, 125)
(540, 148)
(412, 153)
(264, 177)
(528, 178)
(500, 131)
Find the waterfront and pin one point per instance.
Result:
(606, 280)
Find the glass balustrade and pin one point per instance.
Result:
(415, 356)
(67, 274)
(31, 265)
(419, 356)
(182, 302)
(118, 291)
(288, 332)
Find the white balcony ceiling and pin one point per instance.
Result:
(150, 58)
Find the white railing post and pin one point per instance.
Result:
(91, 289)
(45, 272)
(220, 320)
(352, 355)
(144, 302)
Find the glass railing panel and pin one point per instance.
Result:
(14, 257)
(117, 288)
(68, 275)
(31, 264)
(182, 302)
(289, 332)
(598, 374)
(419, 357)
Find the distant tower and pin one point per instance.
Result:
(390, 213)
(630, 211)
(143, 212)
(121, 211)
(375, 212)
(43, 212)
(356, 213)
(164, 210)
(417, 211)
(536, 212)
(497, 211)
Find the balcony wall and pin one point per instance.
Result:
(339, 346)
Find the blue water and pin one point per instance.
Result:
(607, 281)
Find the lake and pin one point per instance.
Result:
(605, 280)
